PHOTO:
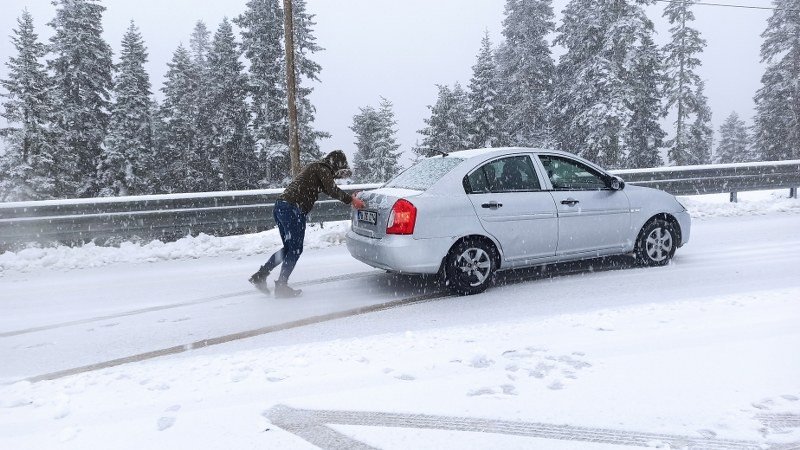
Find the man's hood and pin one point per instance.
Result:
(336, 160)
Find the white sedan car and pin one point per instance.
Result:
(468, 214)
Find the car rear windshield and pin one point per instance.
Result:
(422, 175)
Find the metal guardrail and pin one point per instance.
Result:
(168, 217)
(165, 217)
(718, 179)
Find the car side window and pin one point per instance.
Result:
(569, 175)
(512, 174)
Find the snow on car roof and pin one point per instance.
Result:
(466, 154)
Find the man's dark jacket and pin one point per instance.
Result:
(315, 178)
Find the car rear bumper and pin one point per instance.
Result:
(399, 253)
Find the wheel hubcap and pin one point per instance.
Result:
(475, 266)
(659, 244)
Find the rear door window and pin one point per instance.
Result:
(511, 174)
(424, 174)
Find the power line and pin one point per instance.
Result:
(726, 5)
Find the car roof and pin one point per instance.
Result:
(484, 154)
(489, 152)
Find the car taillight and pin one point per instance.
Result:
(402, 218)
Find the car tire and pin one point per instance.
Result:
(656, 244)
(469, 267)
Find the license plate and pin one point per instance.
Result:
(370, 217)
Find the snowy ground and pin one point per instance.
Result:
(704, 350)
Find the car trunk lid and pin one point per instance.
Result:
(373, 219)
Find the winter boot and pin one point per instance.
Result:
(282, 290)
(259, 279)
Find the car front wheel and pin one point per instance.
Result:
(469, 267)
(657, 243)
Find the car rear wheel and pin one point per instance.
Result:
(657, 243)
(469, 267)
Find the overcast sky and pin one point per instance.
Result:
(400, 49)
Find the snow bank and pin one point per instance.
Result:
(750, 203)
(90, 255)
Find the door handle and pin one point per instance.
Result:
(492, 205)
(570, 202)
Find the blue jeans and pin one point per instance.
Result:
(291, 223)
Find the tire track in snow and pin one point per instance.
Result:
(789, 250)
(312, 426)
(352, 276)
(510, 277)
(239, 336)
(618, 264)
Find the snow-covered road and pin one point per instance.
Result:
(55, 320)
(703, 348)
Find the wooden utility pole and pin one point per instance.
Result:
(291, 88)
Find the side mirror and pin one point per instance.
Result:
(616, 183)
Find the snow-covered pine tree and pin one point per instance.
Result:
(376, 144)
(643, 135)
(126, 163)
(777, 120)
(682, 82)
(418, 153)
(460, 116)
(160, 163)
(200, 44)
(485, 125)
(230, 147)
(526, 73)
(734, 141)
(701, 134)
(447, 128)
(262, 23)
(199, 47)
(594, 96)
(262, 41)
(81, 73)
(187, 168)
(307, 72)
(26, 167)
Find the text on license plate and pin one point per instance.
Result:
(370, 217)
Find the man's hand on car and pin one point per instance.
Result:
(358, 203)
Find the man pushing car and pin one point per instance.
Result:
(290, 213)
